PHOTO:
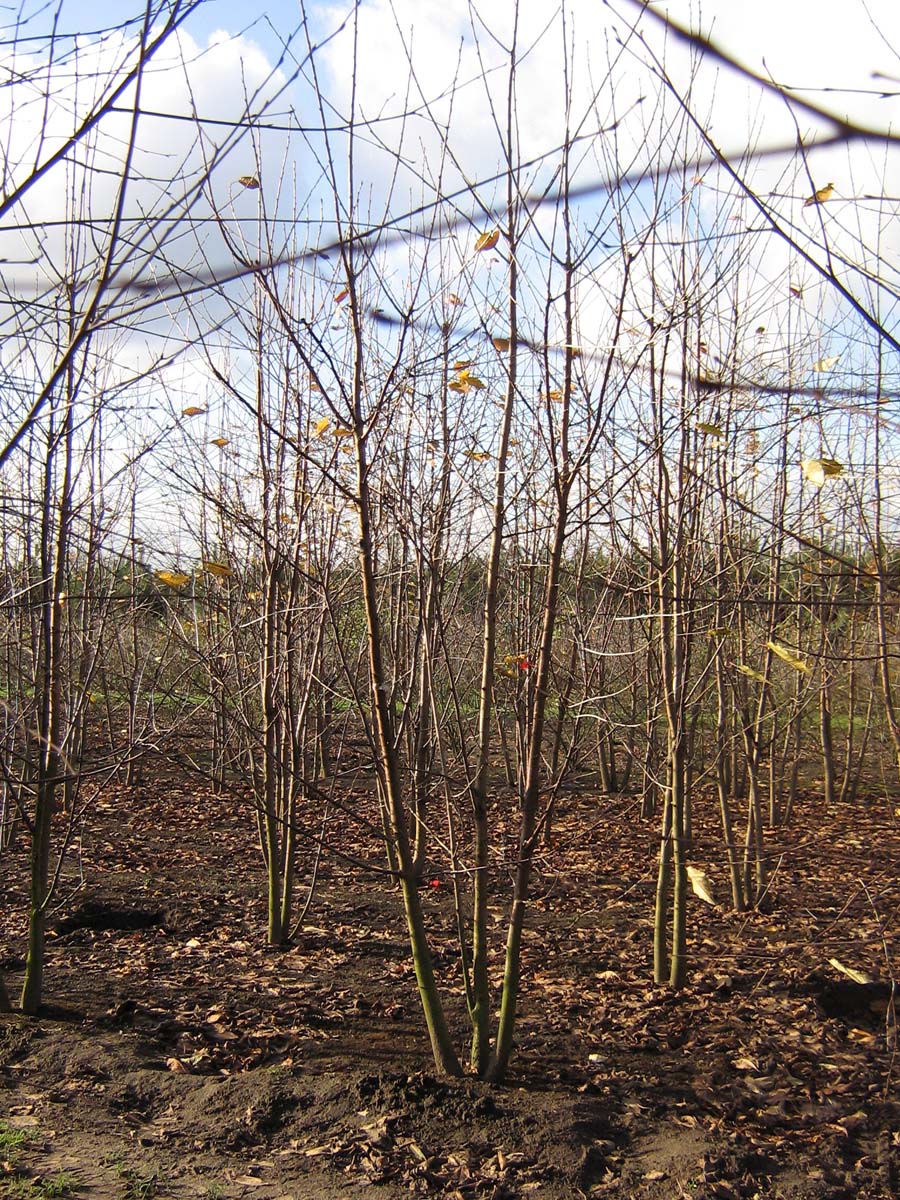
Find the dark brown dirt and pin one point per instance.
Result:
(177, 1056)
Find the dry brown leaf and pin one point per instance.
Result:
(487, 241)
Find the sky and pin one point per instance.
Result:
(809, 44)
(827, 51)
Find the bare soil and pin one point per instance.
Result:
(177, 1056)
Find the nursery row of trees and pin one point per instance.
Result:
(584, 470)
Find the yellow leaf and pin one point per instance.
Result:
(175, 579)
(193, 410)
(825, 364)
(787, 656)
(813, 471)
(477, 455)
(817, 470)
(820, 196)
(219, 441)
(220, 570)
(322, 426)
(555, 395)
(249, 181)
(461, 364)
(453, 299)
(712, 430)
(465, 382)
(487, 241)
(719, 631)
(342, 431)
(500, 343)
(861, 977)
(700, 885)
(748, 671)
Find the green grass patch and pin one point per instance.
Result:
(140, 1185)
(12, 1141)
(17, 1185)
(53, 1187)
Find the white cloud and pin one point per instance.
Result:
(460, 69)
(59, 230)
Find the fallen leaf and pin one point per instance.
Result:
(860, 977)
(745, 1064)
(750, 673)
(788, 656)
(700, 885)
(819, 197)
(817, 470)
(174, 579)
(825, 364)
(220, 570)
(465, 382)
(487, 241)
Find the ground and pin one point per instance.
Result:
(179, 1057)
